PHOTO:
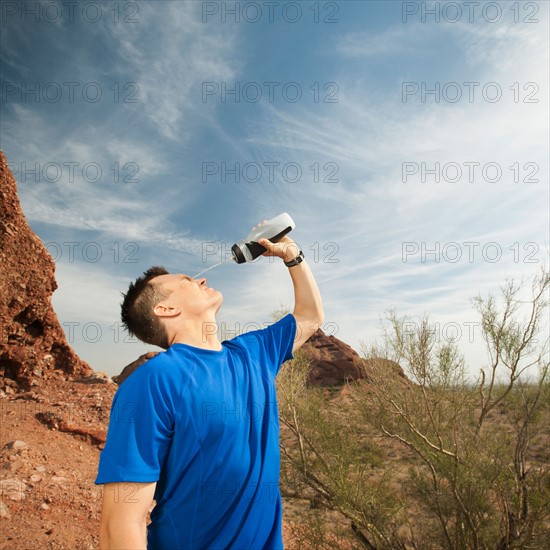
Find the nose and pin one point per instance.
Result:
(202, 281)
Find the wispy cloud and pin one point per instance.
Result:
(167, 55)
(371, 139)
(362, 219)
(170, 55)
(404, 40)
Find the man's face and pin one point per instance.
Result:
(189, 295)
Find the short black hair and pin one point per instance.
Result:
(137, 308)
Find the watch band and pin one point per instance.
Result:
(296, 261)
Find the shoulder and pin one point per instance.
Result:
(287, 321)
(259, 336)
(160, 371)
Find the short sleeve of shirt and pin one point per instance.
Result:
(276, 341)
(141, 427)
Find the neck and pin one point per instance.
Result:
(201, 333)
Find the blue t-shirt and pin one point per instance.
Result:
(204, 425)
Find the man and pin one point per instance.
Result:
(196, 427)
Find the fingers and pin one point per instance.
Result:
(265, 242)
(261, 223)
(270, 248)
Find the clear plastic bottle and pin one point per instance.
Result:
(275, 229)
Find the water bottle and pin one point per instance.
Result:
(274, 230)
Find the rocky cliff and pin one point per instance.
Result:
(32, 342)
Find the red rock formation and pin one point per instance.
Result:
(333, 361)
(32, 342)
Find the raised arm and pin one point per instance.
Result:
(308, 307)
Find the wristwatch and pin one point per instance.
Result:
(296, 261)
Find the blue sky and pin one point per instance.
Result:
(130, 133)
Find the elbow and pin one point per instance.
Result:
(320, 314)
(315, 317)
(321, 318)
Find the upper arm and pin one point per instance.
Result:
(126, 503)
(305, 329)
(141, 428)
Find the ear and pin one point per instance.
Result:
(162, 310)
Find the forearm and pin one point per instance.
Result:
(307, 298)
(123, 536)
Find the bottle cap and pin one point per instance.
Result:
(238, 253)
